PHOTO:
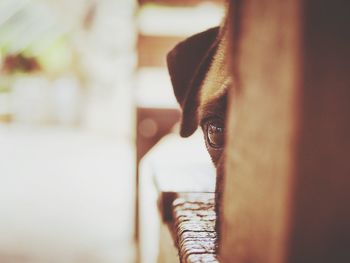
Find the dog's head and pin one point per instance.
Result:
(200, 78)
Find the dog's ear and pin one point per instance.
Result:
(188, 64)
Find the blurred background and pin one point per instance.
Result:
(84, 94)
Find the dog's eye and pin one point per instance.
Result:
(215, 133)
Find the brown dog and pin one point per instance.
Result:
(200, 78)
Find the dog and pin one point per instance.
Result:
(200, 76)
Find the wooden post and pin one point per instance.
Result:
(287, 182)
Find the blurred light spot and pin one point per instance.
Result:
(148, 128)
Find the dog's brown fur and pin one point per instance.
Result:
(200, 76)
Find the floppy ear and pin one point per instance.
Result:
(188, 64)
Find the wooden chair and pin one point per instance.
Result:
(287, 181)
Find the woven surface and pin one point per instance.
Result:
(194, 226)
